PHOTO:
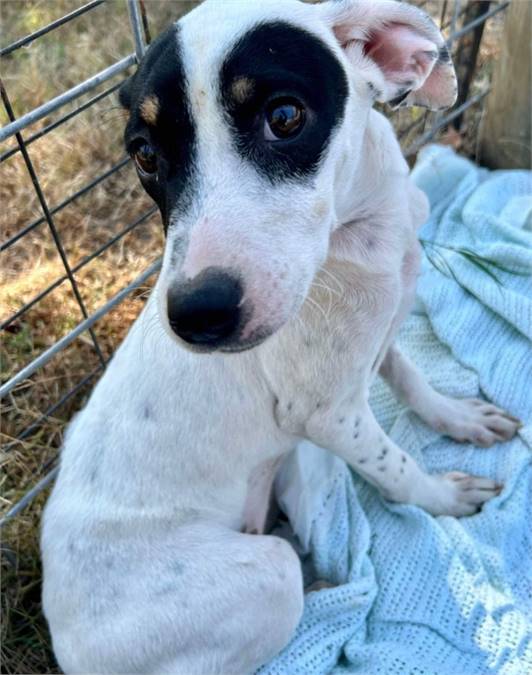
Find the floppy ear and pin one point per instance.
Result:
(397, 48)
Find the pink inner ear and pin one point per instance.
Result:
(404, 56)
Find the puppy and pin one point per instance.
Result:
(290, 262)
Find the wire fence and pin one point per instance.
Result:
(463, 21)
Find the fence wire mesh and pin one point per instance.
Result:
(461, 21)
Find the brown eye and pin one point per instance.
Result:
(284, 119)
(146, 159)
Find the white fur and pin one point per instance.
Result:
(147, 566)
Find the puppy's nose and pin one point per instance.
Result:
(206, 310)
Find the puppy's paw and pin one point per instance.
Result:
(475, 421)
(460, 494)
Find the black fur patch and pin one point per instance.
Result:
(284, 61)
(161, 73)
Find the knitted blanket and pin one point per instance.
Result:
(413, 594)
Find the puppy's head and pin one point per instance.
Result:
(244, 117)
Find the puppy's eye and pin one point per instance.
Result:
(146, 159)
(284, 119)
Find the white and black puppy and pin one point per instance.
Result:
(290, 262)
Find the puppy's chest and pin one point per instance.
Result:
(328, 354)
(348, 310)
(343, 347)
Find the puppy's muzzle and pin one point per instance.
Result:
(206, 311)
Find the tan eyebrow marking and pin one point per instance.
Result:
(241, 89)
(149, 109)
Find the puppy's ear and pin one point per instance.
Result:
(397, 48)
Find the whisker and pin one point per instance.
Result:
(333, 278)
(324, 287)
(313, 303)
(330, 294)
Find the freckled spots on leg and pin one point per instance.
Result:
(165, 588)
(289, 406)
(318, 405)
(402, 469)
(341, 420)
(112, 592)
(403, 458)
(147, 412)
(355, 435)
(384, 452)
(94, 475)
(357, 421)
(382, 468)
(362, 460)
(177, 567)
(245, 564)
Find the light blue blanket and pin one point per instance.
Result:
(415, 594)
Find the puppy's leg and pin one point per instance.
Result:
(359, 440)
(462, 419)
(204, 600)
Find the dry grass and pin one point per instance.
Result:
(65, 160)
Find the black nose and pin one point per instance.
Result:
(205, 311)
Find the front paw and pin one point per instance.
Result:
(476, 421)
(460, 494)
